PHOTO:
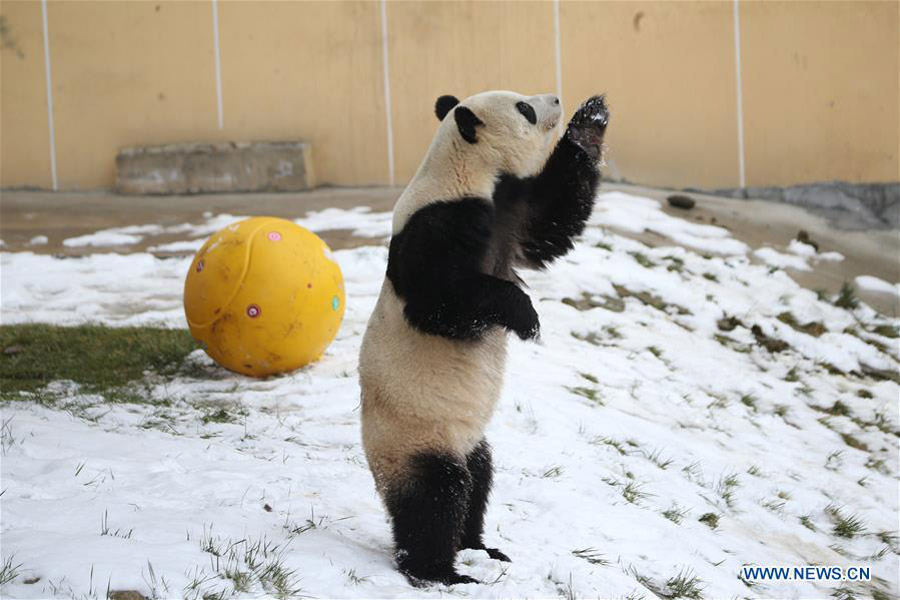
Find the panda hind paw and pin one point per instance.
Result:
(497, 555)
(449, 577)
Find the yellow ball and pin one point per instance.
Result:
(264, 296)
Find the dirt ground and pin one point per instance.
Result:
(58, 216)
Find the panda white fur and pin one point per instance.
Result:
(485, 200)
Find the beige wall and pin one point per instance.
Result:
(24, 134)
(821, 91)
(820, 83)
(462, 48)
(668, 70)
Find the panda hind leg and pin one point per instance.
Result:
(428, 508)
(481, 470)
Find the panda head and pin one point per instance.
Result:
(509, 132)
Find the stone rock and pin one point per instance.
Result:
(681, 201)
(803, 237)
(197, 168)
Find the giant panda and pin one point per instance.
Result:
(485, 200)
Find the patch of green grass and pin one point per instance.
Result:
(845, 526)
(685, 585)
(604, 246)
(843, 591)
(771, 344)
(754, 470)
(553, 472)
(878, 465)
(355, 578)
(846, 297)
(728, 323)
(864, 393)
(813, 328)
(880, 374)
(588, 302)
(791, 376)
(642, 260)
(589, 377)
(839, 409)
(676, 514)
(612, 331)
(612, 443)
(749, 400)
(106, 530)
(592, 555)
(853, 442)
(831, 369)
(241, 580)
(888, 331)
(711, 277)
(9, 570)
(709, 519)
(218, 416)
(633, 493)
(655, 351)
(97, 357)
(656, 458)
(649, 299)
(834, 460)
(878, 594)
(587, 393)
(731, 343)
(726, 487)
(677, 264)
(806, 521)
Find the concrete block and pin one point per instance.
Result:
(198, 168)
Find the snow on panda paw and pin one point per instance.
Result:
(588, 126)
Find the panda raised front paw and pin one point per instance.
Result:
(588, 125)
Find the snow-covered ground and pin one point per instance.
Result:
(648, 446)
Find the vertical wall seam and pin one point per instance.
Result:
(218, 63)
(558, 59)
(740, 100)
(48, 76)
(387, 92)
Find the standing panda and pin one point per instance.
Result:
(432, 359)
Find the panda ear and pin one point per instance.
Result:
(444, 105)
(466, 122)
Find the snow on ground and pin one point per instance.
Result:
(781, 260)
(808, 250)
(637, 215)
(116, 236)
(360, 220)
(650, 435)
(874, 284)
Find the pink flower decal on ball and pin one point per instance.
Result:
(274, 236)
(253, 311)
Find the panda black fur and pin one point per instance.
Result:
(485, 200)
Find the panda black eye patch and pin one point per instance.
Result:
(527, 111)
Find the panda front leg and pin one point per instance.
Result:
(559, 200)
(481, 470)
(428, 507)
